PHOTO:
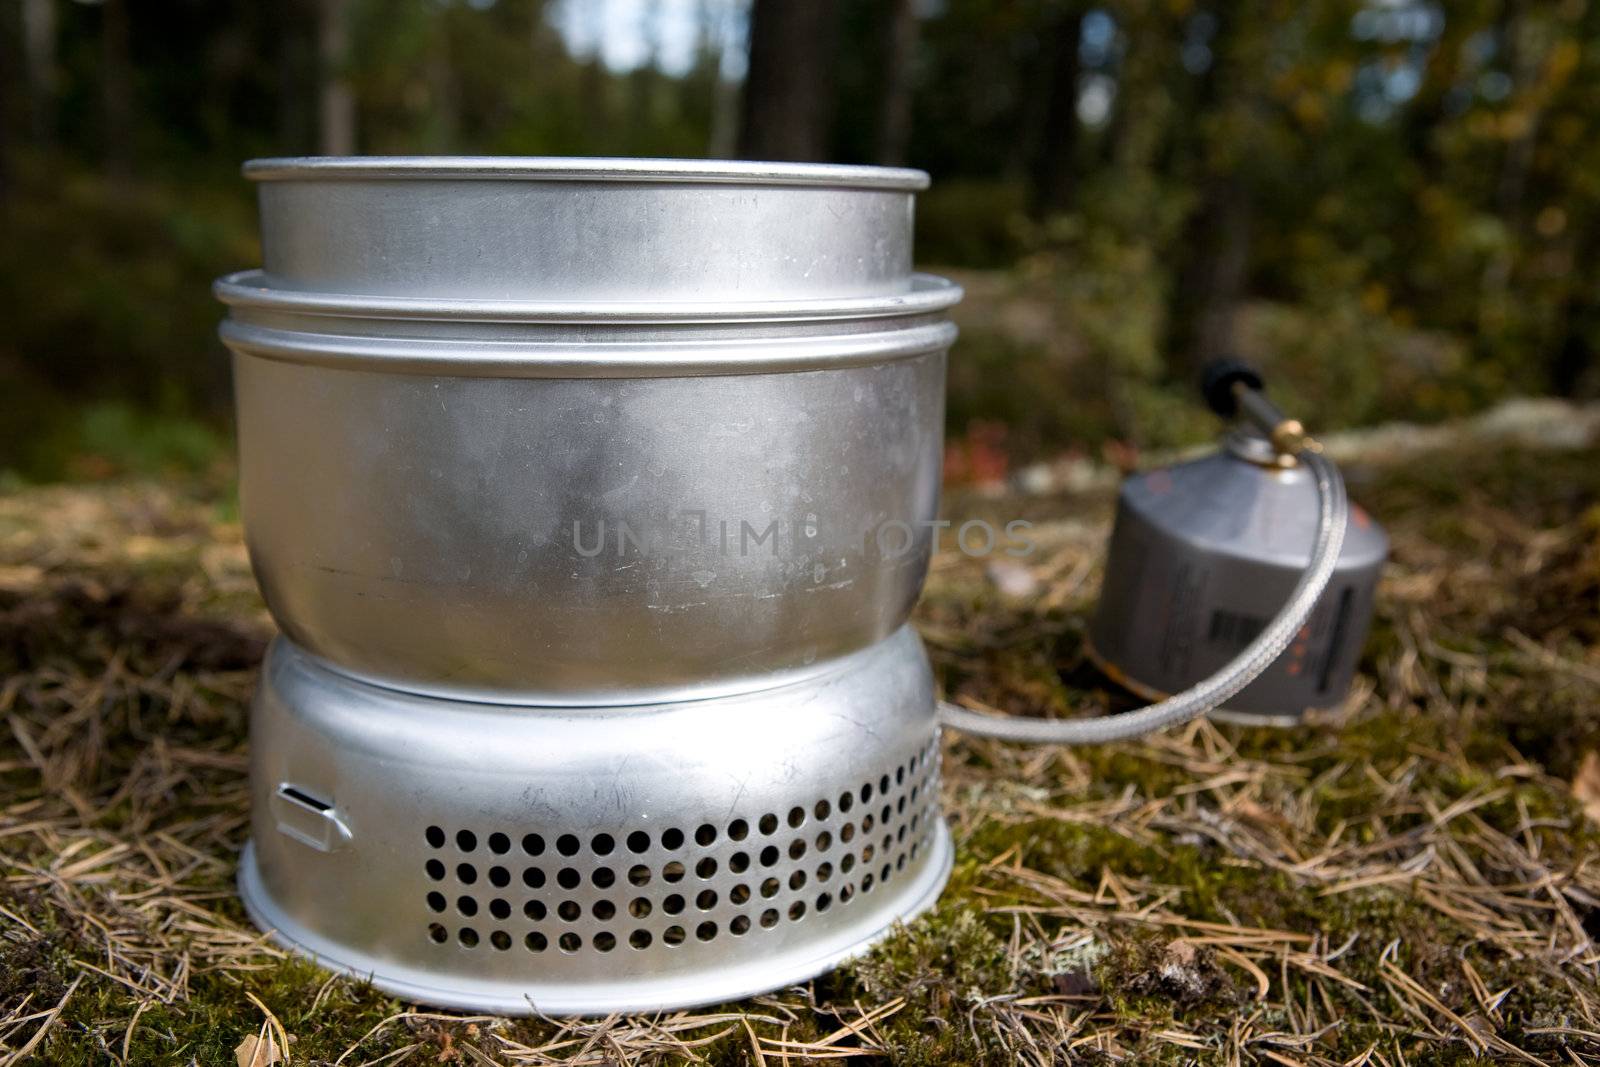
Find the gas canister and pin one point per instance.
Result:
(1203, 554)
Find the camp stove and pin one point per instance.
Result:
(564, 481)
(595, 691)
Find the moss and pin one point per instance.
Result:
(1458, 700)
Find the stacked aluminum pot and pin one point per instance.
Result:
(565, 481)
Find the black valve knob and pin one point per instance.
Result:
(1218, 379)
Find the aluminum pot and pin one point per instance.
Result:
(586, 432)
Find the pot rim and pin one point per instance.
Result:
(654, 357)
(583, 169)
(252, 289)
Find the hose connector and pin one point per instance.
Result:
(1234, 389)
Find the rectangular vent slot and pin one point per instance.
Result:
(304, 799)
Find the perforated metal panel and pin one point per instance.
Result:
(595, 860)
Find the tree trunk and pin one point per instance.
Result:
(899, 72)
(39, 60)
(1210, 284)
(1055, 156)
(336, 111)
(1210, 281)
(788, 100)
(116, 90)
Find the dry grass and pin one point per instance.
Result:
(1409, 880)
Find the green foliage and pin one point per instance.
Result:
(1394, 205)
(111, 348)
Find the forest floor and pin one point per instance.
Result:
(1409, 879)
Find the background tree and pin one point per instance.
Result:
(788, 103)
(1398, 201)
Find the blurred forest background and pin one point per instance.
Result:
(1393, 202)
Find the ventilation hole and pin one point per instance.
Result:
(866, 792)
(603, 844)
(914, 819)
(866, 883)
(769, 918)
(640, 939)
(638, 841)
(886, 814)
(499, 844)
(435, 870)
(770, 887)
(846, 802)
(639, 907)
(671, 839)
(768, 823)
(533, 844)
(673, 935)
(797, 817)
(673, 872)
(466, 873)
(769, 855)
(847, 863)
(888, 842)
(797, 910)
(867, 823)
(436, 901)
(913, 794)
(824, 841)
(739, 862)
(567, 844)
(739, 925)
(738, 829)
(672, 905)
(604, 877)
(822, 809)
(706, 900)
(468, 937)
(706, 930)
(438, 934)
(845, 893)
(899, 775)
(824, 902)
(868, 852)
(916, 846)
(797, 848)
(883, 875)
(569, 942)
(466, 840)
(883, 784)
(435, 836)
(536, 942)
(605, 941)
(533, 878)
(900, 835)
(824, 872)
(705, 835)
(500, 940)
(569, 910)
(797, 879)
(499, 877)
(739, 893)
(534, 909)
(568, 878)
(900, 863)
(706, 868)
(603, 910)
(900, 806)
(639, 874)
(500, 908)
(847, 832)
